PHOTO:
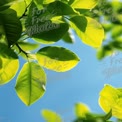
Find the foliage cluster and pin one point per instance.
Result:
(44, 22)
(25, 24)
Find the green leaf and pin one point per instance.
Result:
(70, 2)
(2, 8)
(58, 59)
(49, 32)
(116, 31)
(51, 116)
(111, 99)
(116, 44)
(10, 26)
(2, 36)
(104, 51)
(47, 1)
(9, 64)
(26, 46)
(107, 27)
(84, 4)
(38, 1)
(88, 29)
(81, 110)
(82, 11)
(59, 8)
(1, 63)
(42, 29)
(19, 7)
(31, 83)
(28, 2)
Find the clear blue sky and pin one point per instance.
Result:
(81, 84)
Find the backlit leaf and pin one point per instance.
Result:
(5, 4)
(58, 59)
(81, 110)
(26, 46)
(31, 83)
(60, 8)
(84, 4)
(19, 7)
(111, 99)
(47, 1)
(51, 116)
(9, 64)
(89, 30)
(116, 31)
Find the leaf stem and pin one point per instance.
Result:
(21, 50)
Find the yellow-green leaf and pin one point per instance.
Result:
(19, 7)
(27, 46)
(9, 64)
(89, 30)
(111, 99)
(48, 1)
(51, 116)
(58, 59)
(28, 2)
(31, 83)
(84, 4)
(116, 31)
(81, 110)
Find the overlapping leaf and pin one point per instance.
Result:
(60, 8)
(19, 7)
(8, 64)
(111, 99)
(26, 46)
(58, 59)
(47, 1)
(89, 30)
(51, 116)
(84, 4)
(10, 26)
(81, 110)
(41, 28)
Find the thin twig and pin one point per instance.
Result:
(21, 50)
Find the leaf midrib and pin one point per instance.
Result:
(30, 82)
